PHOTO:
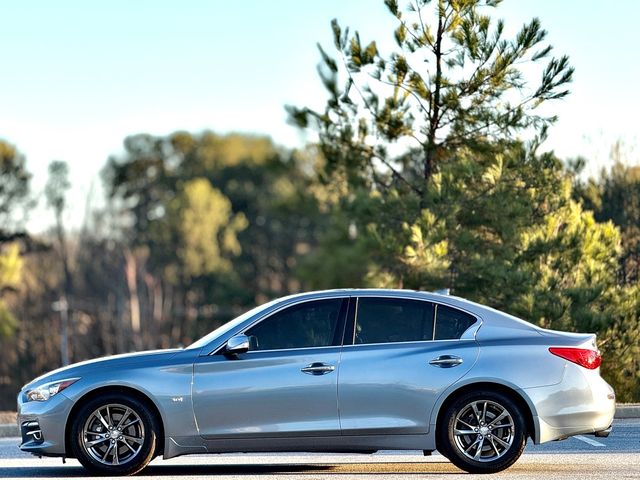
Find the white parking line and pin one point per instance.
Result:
(589, 441)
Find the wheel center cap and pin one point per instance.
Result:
(484, 430)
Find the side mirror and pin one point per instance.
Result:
(237, 344)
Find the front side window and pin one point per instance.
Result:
(309, 324)
(387, 320)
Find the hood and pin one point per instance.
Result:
(80, 368)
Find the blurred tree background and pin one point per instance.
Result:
(14, 189)
(428, 172)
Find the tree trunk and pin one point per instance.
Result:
(154, 295)
(66, 312)
(131, 273)
(430, 148)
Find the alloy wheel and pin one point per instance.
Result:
(483, 430)
(113, 434)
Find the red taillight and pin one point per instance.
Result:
(584, 357)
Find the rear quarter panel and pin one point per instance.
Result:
(515, 353)
(512, 354)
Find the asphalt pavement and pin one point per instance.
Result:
(617, 457)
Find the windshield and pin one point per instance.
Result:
(224, 328)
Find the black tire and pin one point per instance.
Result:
(144, 432)
(499, 446)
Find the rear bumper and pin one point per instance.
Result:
(604, 433)
(581, 404)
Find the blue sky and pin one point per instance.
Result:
(77, 77)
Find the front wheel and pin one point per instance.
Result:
(482, 432)
(114, 434)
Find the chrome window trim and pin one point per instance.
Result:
(404, 343)
(291, 349)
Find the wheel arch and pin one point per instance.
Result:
(139, 395)
(523, 402)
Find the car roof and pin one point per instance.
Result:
(389, 292)
(493, 316)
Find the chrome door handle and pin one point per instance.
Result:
(446, 361)
(318, 368)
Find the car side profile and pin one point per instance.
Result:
(334, 371)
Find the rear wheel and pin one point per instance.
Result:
(114, 434)
(482, 432)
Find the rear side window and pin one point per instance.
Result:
(451, 323)
(388, 320)
(310, 324)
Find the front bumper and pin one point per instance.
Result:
(42, 425)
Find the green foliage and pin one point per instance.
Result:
(572, 269)
(14, 192)
(8, 322)
(424, 152)
(426, 255)
(341, 260)
(14, 183)
(57, 186)
(427, 174)
(205, 227)
(10, 274)
(455, 81)
(620, 343)
(423, 139)
(55, 191)
(615, 197)
(10, 265)
(217, 222)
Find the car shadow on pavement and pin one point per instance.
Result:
(153, 471)
(40, 472)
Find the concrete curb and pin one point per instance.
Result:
(9, 430)
(628, 410)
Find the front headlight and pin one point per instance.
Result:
(48, 390)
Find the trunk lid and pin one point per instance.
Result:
(570, 339)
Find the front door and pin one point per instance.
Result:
(404, 353)
(286, 385)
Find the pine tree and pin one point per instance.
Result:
(615, 197)
(455, 82)
(426, 136)
(435, 150)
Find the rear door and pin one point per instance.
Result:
(398, 356)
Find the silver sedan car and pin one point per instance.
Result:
(332, 371)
